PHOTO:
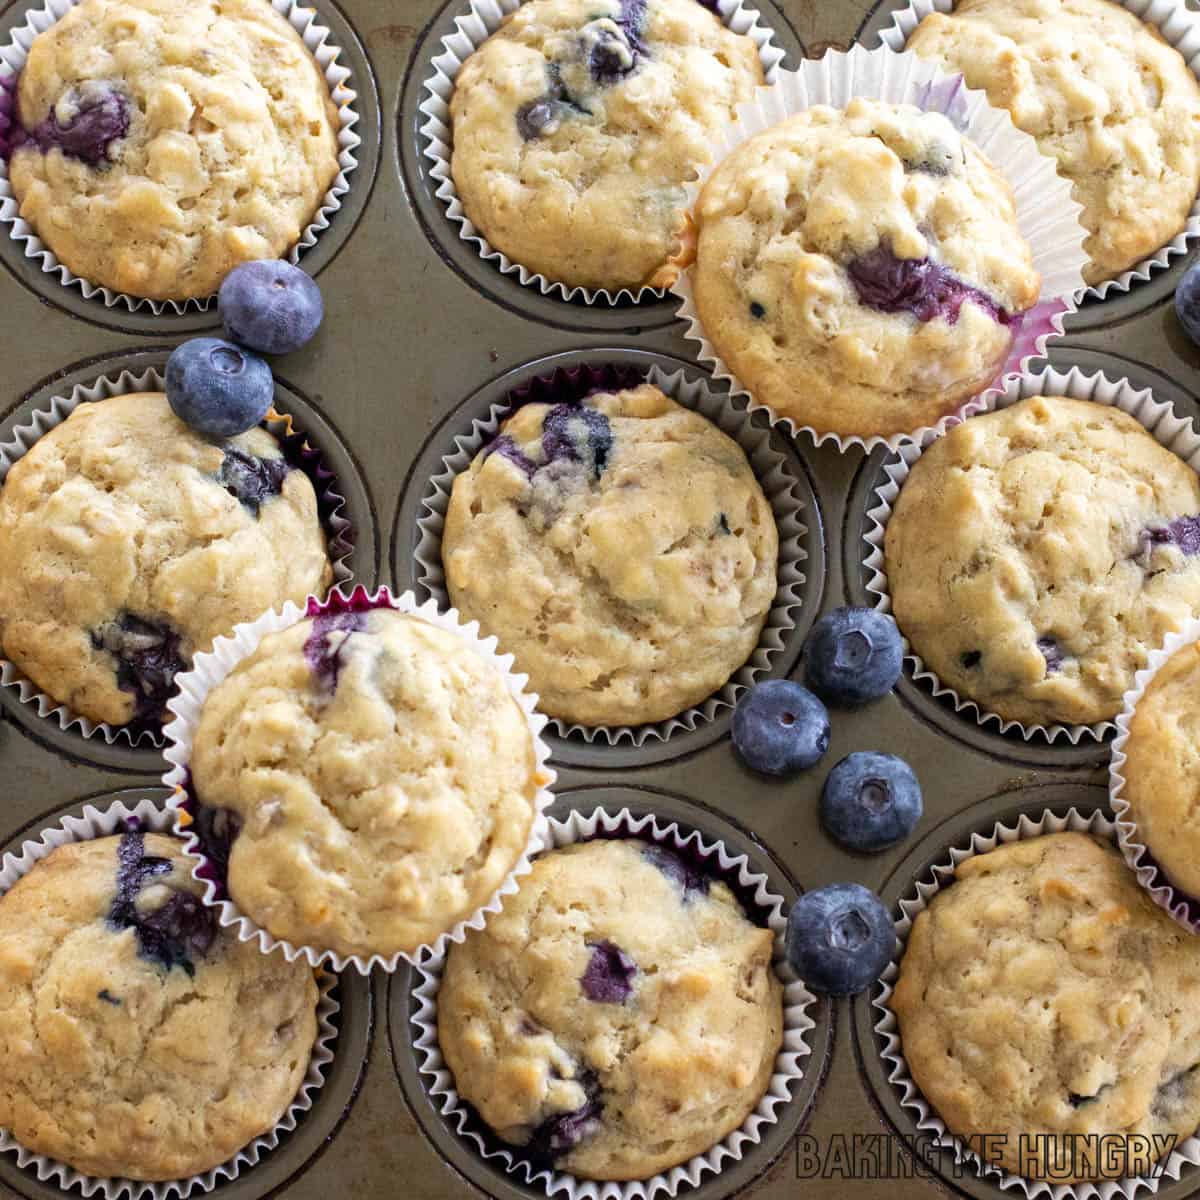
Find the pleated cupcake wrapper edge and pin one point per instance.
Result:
(104, 822)
(471, 30)
(788, 1064)
(321, 45)
(1181, 28)
(899, 1076)
(338, 530)
(775, 477)
(1047, 214)
(211, 668)
(1180, 904)
(1171, 431)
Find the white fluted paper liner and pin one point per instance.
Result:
(1170, 430)
(471, 30)
(1047, 215)
(319, 41)
(788, 1064)
(775, 477)
(339, 532)
(1184, 907)
(96, 823)
(888, 1027)
(1180, 27)
(210, 669)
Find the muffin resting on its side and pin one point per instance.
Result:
(618, 1017)
(137, 1039)
(621, 548)
(1036, 555)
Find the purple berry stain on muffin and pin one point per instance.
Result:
(108, 998)
(148, 659)
(251, 480)
(612, 46)
(216, 830)
(561, 1133)
(99, 116)
(608, 978)
(544, 114)
(570, 433)
(507, 448)
(1183, 532)
(691, 880)
(1052, 653)
(172, 935)
(324, 645)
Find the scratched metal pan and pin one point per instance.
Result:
(420, 333)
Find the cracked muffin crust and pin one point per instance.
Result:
(619, 1016)
(861, 271)
(1043, 993)
(137, 1039)
(374, 776)
(577, 124)
(1103, 93)
(1036, 555)
(130, 542)
(166, 141)
(620, 548)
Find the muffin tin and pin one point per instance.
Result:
(420, 337)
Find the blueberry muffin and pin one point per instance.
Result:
(860, 271)
(577, 124)
(130, 542)
(1162, 768)
(163, 142)
(137, 1039)
(618, 1017)
(1036, 555)
(621, 549)
(1102, 93)
(365, 782)
(1043, 994)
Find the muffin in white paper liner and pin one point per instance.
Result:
(915, 901)
(210, 669)
(1175, 433)
(772, 470)
(471, 30)
(1047, 215)
(316, 37)
(105, 822)
(297, 449)
(718, 862)
(1183, 906)
(1180, 27)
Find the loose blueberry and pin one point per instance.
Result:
(780, 728)
(218, 388)
(853, 656)
(840, 939)
(271, 306)
(608, 978)
(1187, 302)
(870, 801)
(148, 659)
(100, 116)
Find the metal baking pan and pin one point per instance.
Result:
(421, 335)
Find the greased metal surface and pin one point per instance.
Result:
(420, 336)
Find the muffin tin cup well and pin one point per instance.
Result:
(210, 669)
(1175, 433)
(771, 469)
(97, 823)
(471, 30)
(916, 900)
(1047, 215)
(789, 1070)
(297, 449)
(319, 41)
(1180, 27)
(1183, 906)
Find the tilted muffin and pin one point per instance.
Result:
(130, 542)
(163, 142)
(860, 271)
(1103, 93)
(137, 1039)
(375, 777)
(618, 1017)
(577, 124)
(621, 549)
(1044, 995)
(1036, 555)
(1162, 768)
